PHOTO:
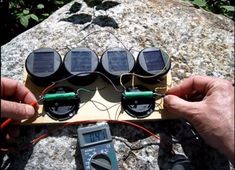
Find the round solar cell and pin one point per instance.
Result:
(43, 66)
(115, 62)
(152, 62)
(81, 62)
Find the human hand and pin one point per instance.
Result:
(213, 116)
(13, 92)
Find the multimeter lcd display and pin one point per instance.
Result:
(95, 136)
(117, 61)
(43, 62)
(81, 61)
(154, 60)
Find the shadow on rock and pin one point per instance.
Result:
(93, 3)
(19, 153)
(105, 21)
(78, 18)
(75, 8)
(107, 5)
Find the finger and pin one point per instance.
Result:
(15, 110)
(180, 107)
(11, 87)
(196, 83)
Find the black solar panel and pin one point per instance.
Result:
(118, 61)
(153, 60)
(81, 61)
(43, 62)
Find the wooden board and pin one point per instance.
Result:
(103, 103)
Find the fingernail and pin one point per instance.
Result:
(29, 110)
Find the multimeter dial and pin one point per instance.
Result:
(101, 161)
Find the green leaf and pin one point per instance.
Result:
(45, 14)
(34, 17)
(26, 11)
(40, 6)
(59, 2)
(19, 15)
(200, 3)
(228, 8)
(24, 21)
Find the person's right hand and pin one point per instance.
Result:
(213, 116)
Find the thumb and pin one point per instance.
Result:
(180, 107)
(15, 110)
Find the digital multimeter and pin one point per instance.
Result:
(96, 148)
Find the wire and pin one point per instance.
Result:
(116, 113)
(46, 89)
(9, 120)
(98, 31)
(66, 78)
(94, 32)
(106, 108)
(34, 141)
(5, 123)
(133, 81)
(84, 89)
(138, 75)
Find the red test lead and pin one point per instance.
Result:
(9, 120)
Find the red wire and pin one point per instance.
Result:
(34, 104)
(9, 120)
(47, 88)
(94, 121)
(6, 123)
(34, 141)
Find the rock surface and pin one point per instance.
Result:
(199, 43)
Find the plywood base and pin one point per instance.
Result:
(102, 103)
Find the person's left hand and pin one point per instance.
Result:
(16, 100)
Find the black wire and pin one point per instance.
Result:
(97, 31)
(97, 72)
(89, 72)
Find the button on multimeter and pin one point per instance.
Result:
(96, 148)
